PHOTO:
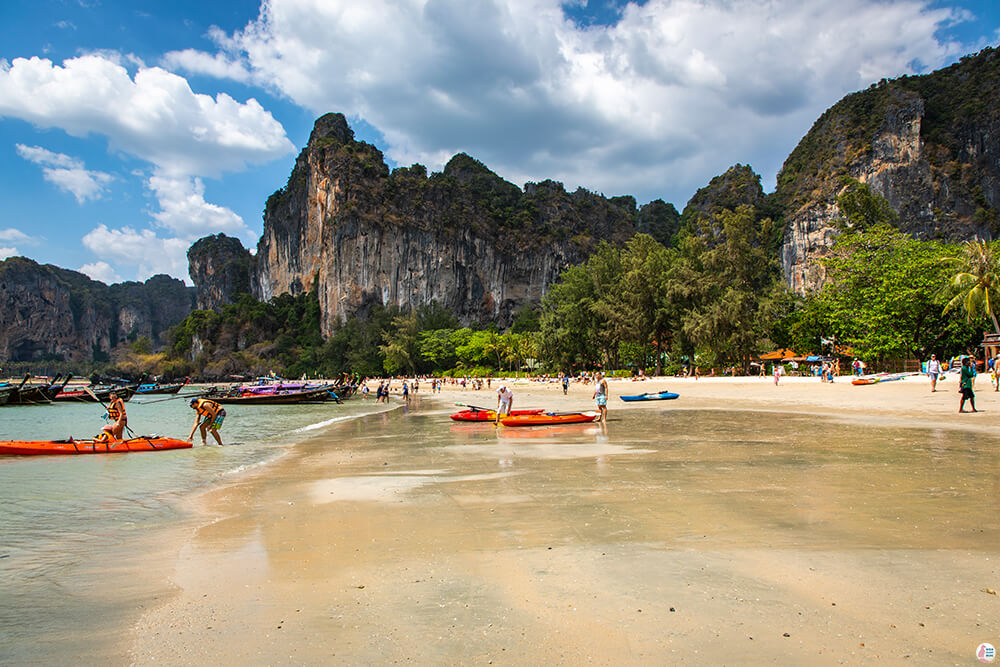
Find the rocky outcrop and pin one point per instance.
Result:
(930, 145)
(465, 238)
(738, 186)
(219, 266)
(49, 313)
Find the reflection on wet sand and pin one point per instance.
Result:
(667, 537)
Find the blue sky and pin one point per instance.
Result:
(129, 129)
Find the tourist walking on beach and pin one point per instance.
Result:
(565, 384)
(601, 396)
(965, 382)
(934, 371)
(779, 370)
(209, 419)
(996, 372)
(505, 401)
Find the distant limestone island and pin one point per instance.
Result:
(359, 238)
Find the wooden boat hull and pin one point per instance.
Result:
(159, 389)
(81, 395)
(549, 419)
(275, 399)
(151, 443)
(658, 396)
(490, 415)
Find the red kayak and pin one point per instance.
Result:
(550, 418)
(144, 443)
(489, 415)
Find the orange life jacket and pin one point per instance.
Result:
(206, 408)
(116, 410)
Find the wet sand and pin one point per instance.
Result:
(741, 524)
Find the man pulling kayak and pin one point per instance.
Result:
(209, 419)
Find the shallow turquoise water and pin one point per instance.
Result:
(65, 520)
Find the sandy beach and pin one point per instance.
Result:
(745, 523)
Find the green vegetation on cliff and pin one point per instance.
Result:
(955, 109)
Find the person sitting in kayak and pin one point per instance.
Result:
(209, 419)
(116, 413)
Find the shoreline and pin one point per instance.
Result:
(228, 569)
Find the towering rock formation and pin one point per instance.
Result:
(49, 313)
(929, 144)
(219, 266)
(465, 238)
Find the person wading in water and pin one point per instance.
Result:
(209, 419)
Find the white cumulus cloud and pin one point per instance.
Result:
(143, 249)
(154, 115)
(67, 173)
(101, 271)
(184, 211)
(672, 94)
(8, 252)
(11, 235)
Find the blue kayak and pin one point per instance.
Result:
(656, 396)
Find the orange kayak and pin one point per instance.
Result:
(145, 443)
(550, 418)
(489, 415)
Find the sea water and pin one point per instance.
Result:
(67, 522)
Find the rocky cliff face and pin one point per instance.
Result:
(49, 313)
(465, 238)
(930, 145)
(219, 266)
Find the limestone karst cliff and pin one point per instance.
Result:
(929, 144)
(53, 314)
(465, 238)
(219, 266)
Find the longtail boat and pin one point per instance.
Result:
(25, 394)
(317, 394)
(157, 388)
(102, 393)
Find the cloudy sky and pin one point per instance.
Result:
(129, 129)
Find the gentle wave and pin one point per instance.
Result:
(334, 420)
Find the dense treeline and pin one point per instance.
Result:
(713, 298)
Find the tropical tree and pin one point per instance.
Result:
(401, 348)
(884, 298)
(977, 281)
(738, 268)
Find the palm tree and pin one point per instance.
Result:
(977, 281)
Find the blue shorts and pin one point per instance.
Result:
(216, 423)
(601, 400)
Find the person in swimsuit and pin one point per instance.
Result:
(116, 413)
(601, 396)
(209, 419)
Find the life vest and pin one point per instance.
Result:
(116, 410)
(206, 408)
